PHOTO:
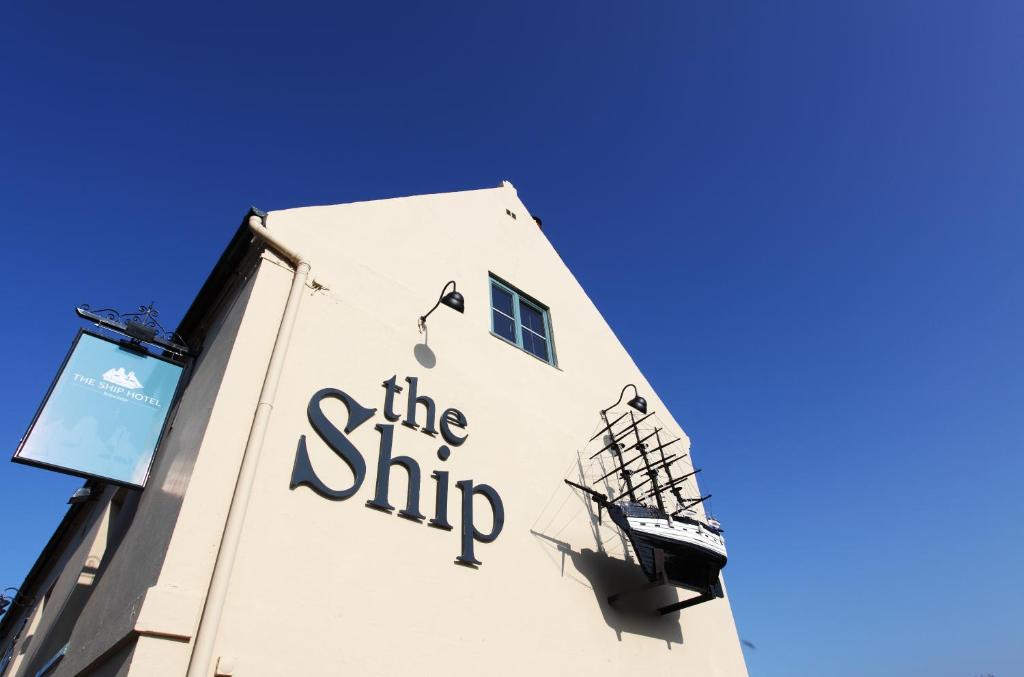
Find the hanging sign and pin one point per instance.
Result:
(104, 414)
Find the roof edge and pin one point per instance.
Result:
(195, 322)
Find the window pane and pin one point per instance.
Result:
(504, 326)
(531, 318)
(535, 344)
(502, 300)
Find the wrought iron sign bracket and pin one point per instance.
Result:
(140, 327)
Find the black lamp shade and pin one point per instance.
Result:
(454, 301)
(638, 403)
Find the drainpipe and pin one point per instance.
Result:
(206, 635)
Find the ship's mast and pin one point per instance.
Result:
(617, 451)
(668, 472)
(618, 437)
(617, 445)
(652, 474)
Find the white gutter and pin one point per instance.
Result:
(201, 664)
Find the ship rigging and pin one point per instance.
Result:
(646, 486)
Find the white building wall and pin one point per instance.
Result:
(327, 587)
(323, 587)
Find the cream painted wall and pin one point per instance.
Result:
(62, 587)
(146, 593)
(330, 587)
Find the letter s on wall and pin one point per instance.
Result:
(303, 473)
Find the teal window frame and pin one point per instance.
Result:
(517, 298)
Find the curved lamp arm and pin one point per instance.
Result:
(452, 299)
(638, 402)
(621, 395)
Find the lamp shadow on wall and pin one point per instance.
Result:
(422, 352)
(605, 576)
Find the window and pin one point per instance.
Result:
(521, 320)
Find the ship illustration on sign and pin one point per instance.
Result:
(650, 494)
(121, 378)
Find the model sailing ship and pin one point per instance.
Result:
(655, 505)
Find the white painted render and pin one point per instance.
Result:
(325, 587)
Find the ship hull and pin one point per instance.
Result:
(694, 555)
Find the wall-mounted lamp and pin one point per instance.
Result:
(638, 403)
(452, 299)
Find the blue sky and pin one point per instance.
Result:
(819, 203)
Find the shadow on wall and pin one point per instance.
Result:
(423, 354)
(606, 576)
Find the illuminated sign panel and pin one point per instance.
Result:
(104, 414)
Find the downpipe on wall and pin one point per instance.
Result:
(200, 664)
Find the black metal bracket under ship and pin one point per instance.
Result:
(674, 546)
